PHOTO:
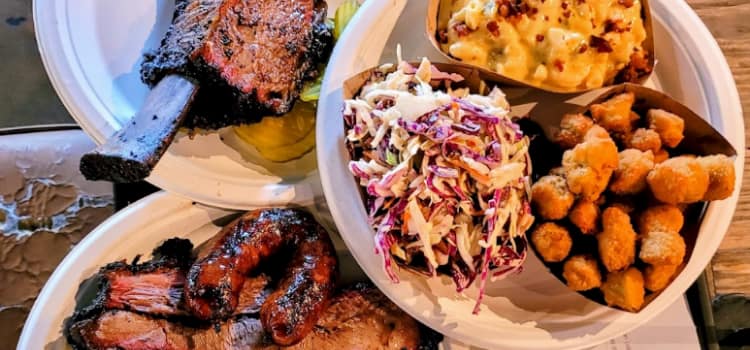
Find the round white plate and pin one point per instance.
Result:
(531, 310)
(138, 229)
(92, 51)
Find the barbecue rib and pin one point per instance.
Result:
(359, 317)
(250, 56)
(222, 62)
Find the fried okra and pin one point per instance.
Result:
(678, 180)
(615, 113)
(662, 248)
(552, 241)
(643, 140)
(660, 156)
(581, 272)
(617, 240)
(624, 289)
(589, 165)
(661, 218)
(585, 216)
(721, 176)
(657, 277)
(573, 128)
(630, 175)
(669, 126)
(551, 198)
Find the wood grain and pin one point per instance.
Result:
(728, 22)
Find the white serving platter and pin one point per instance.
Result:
(92, 50)
(531, 310)
(135, 230)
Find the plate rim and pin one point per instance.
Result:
(729, 101)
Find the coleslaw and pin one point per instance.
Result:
(445, 175)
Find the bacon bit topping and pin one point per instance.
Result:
(512, 8)
(539, 38)
(564, 5)
(615, 26)
(559, 64)
(583, 48)
(493, 28)
(567, 13)
(626, 3)
(442, 36)
(461, 29)
(601, 44)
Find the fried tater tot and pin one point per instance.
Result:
(573, 128)
(661, 218)
(632, 168)
(720, 176)
(660, 156)
(657, 277)
(669, 126)
(581, 272)
(589, 165)
(552, 241)
(644, 140)
(624, 289)
(585, 215)
(678, 180)
(551, 198)
(662, 248)
(617, 240)
(614, 114)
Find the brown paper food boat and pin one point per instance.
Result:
(432, 27)
(700, 137)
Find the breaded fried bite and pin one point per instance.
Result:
(721, 176)
(657, 277)
(614, 114)
(661, 218)
(589, 165)
(552, 241)
(581, 272)
(617, 240)
(678, 180)
(573, 127)
(624, 289)
(585, 215)
(660, 156)
(662, 248)
(551, 198)
(632, 168)
(669, 126)
(643, 140)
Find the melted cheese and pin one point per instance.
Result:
(549, 46)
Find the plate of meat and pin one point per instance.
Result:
(428, 183)
(154, 276)
(195, 87)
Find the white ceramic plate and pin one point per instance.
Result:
(92, 51)
(137, 229)
(531, 310)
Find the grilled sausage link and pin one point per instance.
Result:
(215, 279)
(304, 292)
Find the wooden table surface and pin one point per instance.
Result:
(728, 22)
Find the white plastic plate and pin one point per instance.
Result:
(92, 50)
(531, 310)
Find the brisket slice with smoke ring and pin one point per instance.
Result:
(250, 56)
(359, 317)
